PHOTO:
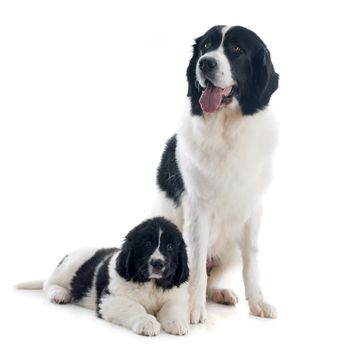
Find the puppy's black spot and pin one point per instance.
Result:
(105, 291)
(102, 280)
(169, 177)
(64, 258)
(83, 278)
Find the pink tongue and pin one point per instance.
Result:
(211, 98)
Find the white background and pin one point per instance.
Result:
(90, 91)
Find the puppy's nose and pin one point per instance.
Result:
(207, 64)
(157, 264)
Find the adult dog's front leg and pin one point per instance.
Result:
(196, 232)
(257, 304)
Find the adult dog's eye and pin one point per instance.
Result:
(236, 49)
(169, 247)
(207, 45)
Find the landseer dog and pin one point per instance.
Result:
(216, 167)
(143, 286)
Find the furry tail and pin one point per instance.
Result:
(30, 285)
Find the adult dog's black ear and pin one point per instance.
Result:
(266, 79)
(264, 83)
(182, 272)
(193, 91)
(125, 265)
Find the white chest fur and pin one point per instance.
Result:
(226, 155)
(151, 297)
(225, 161)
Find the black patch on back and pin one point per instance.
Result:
(169, 177)
(82, 280)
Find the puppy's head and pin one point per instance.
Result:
(154, 250)
(230, 65)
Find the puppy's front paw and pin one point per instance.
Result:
(198, 313)
(176, 327)
(261, 308)
(146, 325)
(223, 296)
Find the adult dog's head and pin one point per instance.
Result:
(154, 250)
(230, 64)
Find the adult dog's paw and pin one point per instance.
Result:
(146, 325)
(261, 308)
(198, 313)
(223, 296)
(176, 327)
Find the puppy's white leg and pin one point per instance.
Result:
(57, 294)
(173, 317)
(56, 287)
(219, 295)
(128, 313)
(258, 306)
(196, 233)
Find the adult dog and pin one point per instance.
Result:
(215, 169)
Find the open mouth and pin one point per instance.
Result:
(213, 97)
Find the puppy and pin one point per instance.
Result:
(142, 287)
(215, 169)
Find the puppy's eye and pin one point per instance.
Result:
(169, 247)
(236, 48)
(148, 244)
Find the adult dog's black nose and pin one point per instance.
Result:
(207, 64)
(157, 264)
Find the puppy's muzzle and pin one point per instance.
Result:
(157, 265)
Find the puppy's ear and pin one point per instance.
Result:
(182, 272)
(266, 79)
(125, 262)
(193, 92)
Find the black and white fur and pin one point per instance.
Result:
(143, 286)
(215, 169)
